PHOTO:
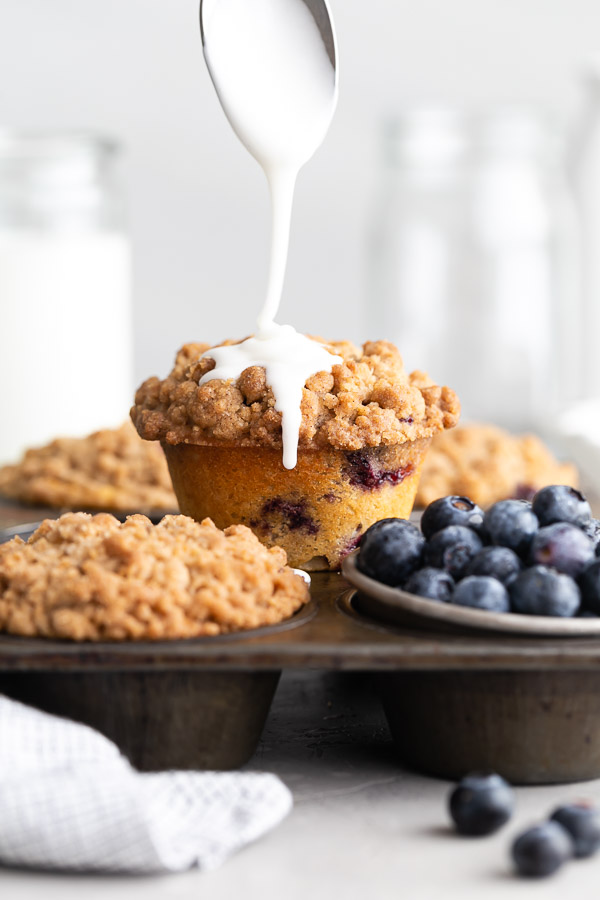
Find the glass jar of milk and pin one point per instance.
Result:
(65, 290)
(474, 260)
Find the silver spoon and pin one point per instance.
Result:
(318, 9)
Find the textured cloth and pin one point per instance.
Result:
(70, 801)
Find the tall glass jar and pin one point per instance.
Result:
(473, 260)
(586, 172)
(65, 290)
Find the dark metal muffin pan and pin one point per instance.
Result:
(525, 706)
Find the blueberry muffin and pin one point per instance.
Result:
(110, 469)
(366, 426)
(487, 464)
(93, 578)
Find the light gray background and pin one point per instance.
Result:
(199, 204)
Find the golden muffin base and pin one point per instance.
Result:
(317, 512)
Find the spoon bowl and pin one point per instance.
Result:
(318, 9)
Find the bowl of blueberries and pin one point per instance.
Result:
(520, 567)
(518, 574)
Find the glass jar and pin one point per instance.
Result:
(66, 355)
(473, 260)
(586, 175)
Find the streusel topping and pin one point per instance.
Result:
(109, 469)
(486, 464)
(366, 401)
(94, 578)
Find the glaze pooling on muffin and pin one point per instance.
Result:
(367, 400)
(289, 359)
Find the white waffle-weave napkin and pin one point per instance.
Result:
(69, 800)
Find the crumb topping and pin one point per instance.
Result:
(366, 401)
(487, 464)
(110, 469)
(94, 578)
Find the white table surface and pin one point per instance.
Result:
(362, 827)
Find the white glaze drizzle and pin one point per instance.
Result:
(289, 359)
(278, 88)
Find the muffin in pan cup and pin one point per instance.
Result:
(109, 470)
(365, 429)
(87, 577)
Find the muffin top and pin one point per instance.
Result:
(486, 464)
(94, 578)
(366, 401)
(109, 469)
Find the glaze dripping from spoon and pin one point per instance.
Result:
(274, 67)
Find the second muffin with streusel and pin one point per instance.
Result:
(366, 426)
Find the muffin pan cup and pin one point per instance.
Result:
(539, 727)
(526, 706)
(159, 720)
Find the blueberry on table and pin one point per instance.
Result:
(539, 591)
(452, 549)
(451, 510)
(497, 562)
(481, 592)
(582, 821)
(561, 503)
(542, 850)
(434, 584)
(562, 547)
(589, 585)
(390, 551)
(481, 804)
(512, 524)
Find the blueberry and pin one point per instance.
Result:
(539, 591)
(542, 850)
(383, 524)
(452, 549)
(511, 523)
(362, 470)
(592, 529)
(589, 585)
(390, 551)
(436, 584)
(481, 804)
(563, 547)
(481, 592)
(498, 562)
(451, 510)
(582, 821)
(561, 503)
